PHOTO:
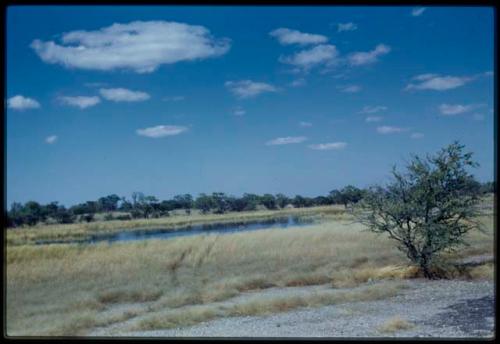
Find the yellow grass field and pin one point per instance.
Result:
(66, 289)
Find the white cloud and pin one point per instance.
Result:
(286, 140)
(298, 82)
(385, 129)
(161, 131)
(123, 95)
(141, 46)
(324, 54)
(457, 109)
(437, 83)
(417, 135)
(305, 124)
(370, 119)
(364, 58)
(174, 98)
(417, 11)
(21, 103)
(287, 36)
(239, 111)
(82, 102)
(329, 146)
(51, 139)
(373, 109)
(346, 27)
(349, 88)
(249, 88)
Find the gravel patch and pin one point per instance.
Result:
(442, 308)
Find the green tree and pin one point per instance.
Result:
(204, 203)
(282, 200)
(268, 201)
(428, 209)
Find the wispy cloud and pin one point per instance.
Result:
(385, 129)
(369, 57)
(286, 140)
(416, 136)
(370, 119)
(161, 131)
(329, 146)
(298, 82)
(51, 139)
(249, 88)
(418, 11)
(21, 103)
(305, 124)
(437, 82)
(346, 27)
(373, 109)
(324, 54)
(349, 88)
(140, 46)
(173, 98)
(287, 36)
(239, 111)
(123, 95)
(456, 109)
(82, 102)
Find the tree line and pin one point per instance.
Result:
(143, 206)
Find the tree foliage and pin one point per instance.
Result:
(428, 209)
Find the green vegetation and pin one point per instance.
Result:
(429, 209)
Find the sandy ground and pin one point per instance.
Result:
(442, 308)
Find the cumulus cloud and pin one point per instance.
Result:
(249, 88)
(123, 95)
(456, 109)
(364, 58)
(349, 88)
(437, 82)
(346, 27)
(373, 109)
(324, 54)
(51, 139)
(417, 135)
(140, 46)
(161, 131)
(21, 103)
(385, 129)
(305, 124)
(287, 36)
(417, 11)
(370, 119)
(329, 146)
(82, 102)
(286, 140)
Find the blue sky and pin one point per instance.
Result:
(297, 100)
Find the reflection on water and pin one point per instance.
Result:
(215, 228)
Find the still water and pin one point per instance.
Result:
(214, 228)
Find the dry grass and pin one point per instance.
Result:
(270, 305)
(67, 289)
(395, 324)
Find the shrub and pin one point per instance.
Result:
(428, 209)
